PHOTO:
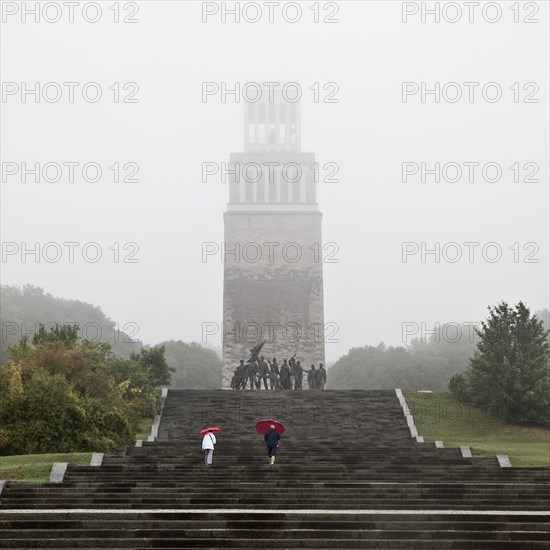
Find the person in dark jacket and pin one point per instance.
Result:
(272, 437)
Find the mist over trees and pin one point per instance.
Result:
(24, 308)
(503, 364)
(420, 365)
(195, 367)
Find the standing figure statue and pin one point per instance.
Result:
(233, 384)
(274, 374)
(298, 375)
(251, 373)
(285, 375)
(252, 366)
(263, 370)
(238, 376)
(292, 369)
(321, 377)
(312, 378)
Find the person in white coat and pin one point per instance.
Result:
(208, 442)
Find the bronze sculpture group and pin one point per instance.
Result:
(288, 376)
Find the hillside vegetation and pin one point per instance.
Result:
(440, 416)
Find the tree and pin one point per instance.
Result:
(48, 415)
(509, 371)
(153, 364)
(65, 394)
(195, 367)
(140, 376)
(67, 334)
(544, 316)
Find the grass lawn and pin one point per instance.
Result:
(441, 416)
(144, 428)
(37, 467)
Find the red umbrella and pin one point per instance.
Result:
(206, 430)
(262, 426)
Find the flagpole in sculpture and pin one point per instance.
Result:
(255, 352)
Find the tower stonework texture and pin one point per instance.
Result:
(273, 271)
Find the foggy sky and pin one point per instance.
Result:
(370, 292)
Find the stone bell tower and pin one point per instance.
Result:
(273, 272)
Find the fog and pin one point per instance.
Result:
(382, 218)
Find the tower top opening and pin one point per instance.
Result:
(272, 118)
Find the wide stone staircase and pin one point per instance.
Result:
(348, 475)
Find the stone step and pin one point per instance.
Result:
(282, 497)
(370, 517)
(346, 491)
(252, 507)
(30, 528)
(209, 534)
(386, 541)
(316, 471)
